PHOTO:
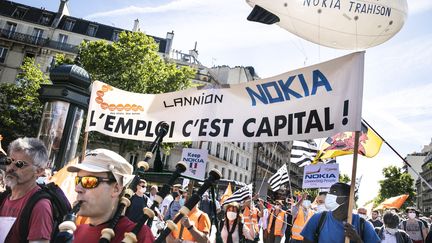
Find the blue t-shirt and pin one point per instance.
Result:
(332, 230)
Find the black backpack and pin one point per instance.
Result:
(321, 223)
(59, 204)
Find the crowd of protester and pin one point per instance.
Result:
(103, 176)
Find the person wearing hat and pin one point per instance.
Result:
(414, 227)
(138, 202)
(194, 227)
(232, 228)
(100, 182)
(277, 223)
(301, 213)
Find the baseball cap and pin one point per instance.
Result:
(104, 160)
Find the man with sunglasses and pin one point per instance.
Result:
(27, 160)
(100, 182)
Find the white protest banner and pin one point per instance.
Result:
(320, 175)
(311, 102)
(196, 160)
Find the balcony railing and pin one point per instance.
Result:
(37, 41)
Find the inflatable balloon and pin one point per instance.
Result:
(341, 24)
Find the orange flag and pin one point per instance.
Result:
(393, 202)
(66, 181)
(227, 194)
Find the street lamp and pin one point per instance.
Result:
(257, 147)
(65, 102)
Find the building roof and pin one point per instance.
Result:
(80, 26)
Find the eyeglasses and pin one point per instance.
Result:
(89, 182)
(18, 163)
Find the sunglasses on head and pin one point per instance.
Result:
(89, 182)
(17, 163)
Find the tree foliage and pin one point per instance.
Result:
(344, 178)
(19, 104)
(132, 64)
(396, 183)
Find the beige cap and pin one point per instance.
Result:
(104, 160)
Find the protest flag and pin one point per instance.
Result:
(343, 144)
(303, 152)
(240, 195)
(393, 202)
(227, 194)
(279, 178)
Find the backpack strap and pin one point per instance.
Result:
(421, 231)
(319, 227)
(27, 211)
(404, 225)
(240, 231)
(362, 227)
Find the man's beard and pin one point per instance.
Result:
(11, 180)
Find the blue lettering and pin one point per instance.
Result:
(261, 96)
(273, 84)
(319, 80)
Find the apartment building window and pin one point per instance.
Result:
(11, 27)
(63, 38)
(223, 172)
(237, 159)
(3, 52)
(244, 146)
(209, 144)
(225, 154)
(92, 29)
(231, 156)
(241, 177)
(115, 36)
(245, 179)
(218, 150)
(235, 176)
(133, 158)
(45, 18)
(19, 12)
(37, 35)
(229, 174)
(247, 164)
(68, 24)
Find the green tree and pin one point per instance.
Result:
(20, 107)
(132, 64)
(344, 178)
(396, 183)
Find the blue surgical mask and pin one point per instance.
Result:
(181, 201)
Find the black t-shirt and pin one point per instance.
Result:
(376, 223)
(135, 211)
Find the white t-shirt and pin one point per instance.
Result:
(264, 219)
(388, 238)
(165, 203)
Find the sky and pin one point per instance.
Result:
(397, 85)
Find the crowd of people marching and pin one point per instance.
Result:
(103, 175)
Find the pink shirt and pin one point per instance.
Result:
(91, 234)
(40, 225)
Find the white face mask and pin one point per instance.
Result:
(391, 230)
(411, 215)
(231, 215)
(306, 203)
(143, 190)
(321, 208)
(330, 202)
(364, 216)
(41, 180)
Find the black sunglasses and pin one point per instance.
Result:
(18, 163)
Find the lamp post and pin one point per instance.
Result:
(65, 102)
(257, 147)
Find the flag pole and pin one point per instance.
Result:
(394, 150)
(353, 180)
(84, 146)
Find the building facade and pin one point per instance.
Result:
(424, 192)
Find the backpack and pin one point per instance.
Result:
(420, 225)
(59, 204)
(321, 223)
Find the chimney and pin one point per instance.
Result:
(63, 10)
(136, 26)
